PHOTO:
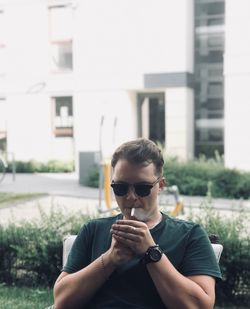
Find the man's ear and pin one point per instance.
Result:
(162, 183)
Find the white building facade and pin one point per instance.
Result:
(77, 76)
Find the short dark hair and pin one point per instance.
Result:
(140, 151)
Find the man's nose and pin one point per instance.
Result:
(131, 193)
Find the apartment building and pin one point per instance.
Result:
(77, 76)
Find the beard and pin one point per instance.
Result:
(142, 215)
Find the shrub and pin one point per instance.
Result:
(52, 166)
(225, 183)
(243, 186)
(233, 231)
(93, 177)
(193, 177)
(31, 252)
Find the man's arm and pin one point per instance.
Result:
(176, 291)
(77, 289)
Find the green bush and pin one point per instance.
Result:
(31, 252)
(52, 166)
(93, 177)
(193, 177)
(233, 231)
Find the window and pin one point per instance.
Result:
(63, 116)
(3, 125)
(212, 72)
(213, 56)
(209, 80)
(60, 25)
(2, 43)
(212, 8)
(210, 135)
(151, 116)
(216, 42)
(215, 90)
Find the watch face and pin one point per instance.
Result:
(155, 254)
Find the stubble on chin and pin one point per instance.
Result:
(137, 213)
(142, 215)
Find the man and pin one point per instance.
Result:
(141, 258)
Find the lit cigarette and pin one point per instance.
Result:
(132, 212)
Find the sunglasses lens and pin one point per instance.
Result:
(143, 189)
(120, 189)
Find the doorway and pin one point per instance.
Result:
(151, 116)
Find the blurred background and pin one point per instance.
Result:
(81, 76)
(78, 78)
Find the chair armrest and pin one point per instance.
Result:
(67, 245)
(218, 248)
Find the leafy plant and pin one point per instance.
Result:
(31, 252)
(192, 179)
(93, 177)
(233, 231)
(32, 166)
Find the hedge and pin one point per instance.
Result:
(31, 252)
(233, 231)
(32, 166)
(192, 179)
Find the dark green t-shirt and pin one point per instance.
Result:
(130, 286)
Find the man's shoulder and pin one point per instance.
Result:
(96, 226)
(180, 224)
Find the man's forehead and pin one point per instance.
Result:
(124, 166)
(122, 162)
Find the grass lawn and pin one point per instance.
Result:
(230, 307)
(36, 298)
(25, 298)
(8, 199)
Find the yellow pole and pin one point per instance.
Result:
(106, 183)
(178, 209)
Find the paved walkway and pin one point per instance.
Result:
(65, 192)
(62, 184)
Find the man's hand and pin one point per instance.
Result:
(132, 234)
(119, 253)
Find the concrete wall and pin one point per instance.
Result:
(28, 84)
(237, 81)
(114, 49)
(118, 41)
(180, 122)
(115, 43)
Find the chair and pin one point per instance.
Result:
(69, 240)
(67, 244)
(217, 247)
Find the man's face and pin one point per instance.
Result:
(146, 208)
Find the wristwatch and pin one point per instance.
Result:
(152, 255)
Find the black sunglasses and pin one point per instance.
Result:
(141, 189)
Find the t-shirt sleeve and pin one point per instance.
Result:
(78, 257)
(199, 257)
